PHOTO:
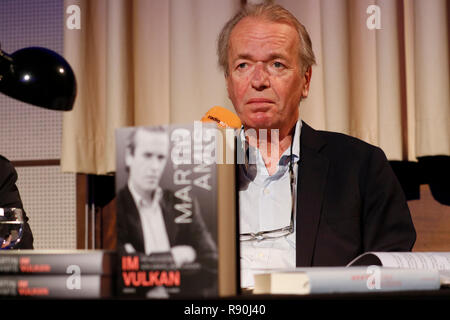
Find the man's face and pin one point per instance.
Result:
(264, 78)
(147, 163)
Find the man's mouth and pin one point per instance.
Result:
(259, 101)
(260, 104)
(151, 179)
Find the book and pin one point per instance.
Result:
(57, 261)
(72, 285)
(324, 280)
(177, 214)
(411, 260)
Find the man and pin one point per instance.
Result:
(311, 198)
(10, 198)
(145, 212)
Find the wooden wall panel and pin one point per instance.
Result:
(432, 222)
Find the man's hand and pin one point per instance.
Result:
(6, 242)
(183, 254)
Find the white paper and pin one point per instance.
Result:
(415, 260)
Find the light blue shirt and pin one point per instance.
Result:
(265, 203)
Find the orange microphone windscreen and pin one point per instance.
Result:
(223, 117)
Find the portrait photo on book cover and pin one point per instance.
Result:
(165, 215)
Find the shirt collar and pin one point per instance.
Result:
(140, 201)
(284, 159)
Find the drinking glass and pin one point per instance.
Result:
(11, 227)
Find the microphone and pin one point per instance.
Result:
(223, 117)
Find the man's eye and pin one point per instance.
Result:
(278, 65)
(242, 65)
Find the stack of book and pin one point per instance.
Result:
(81, 274)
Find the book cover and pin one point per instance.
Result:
(71, 285)
(176, 211)
(57, 261)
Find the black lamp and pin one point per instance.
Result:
(38, 76)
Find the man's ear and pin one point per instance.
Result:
(307, 78)
(226, 76)
(128, 157)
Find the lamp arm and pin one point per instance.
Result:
(5, 62)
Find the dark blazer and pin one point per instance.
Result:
(195, 234)
(10, 198)
(349, 201)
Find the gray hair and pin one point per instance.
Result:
(273, 13)
(131, 141)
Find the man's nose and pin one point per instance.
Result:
(154, 164)
(260, 77)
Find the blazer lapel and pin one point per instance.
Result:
(311, 183)
(167, 208)
(134, 222)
